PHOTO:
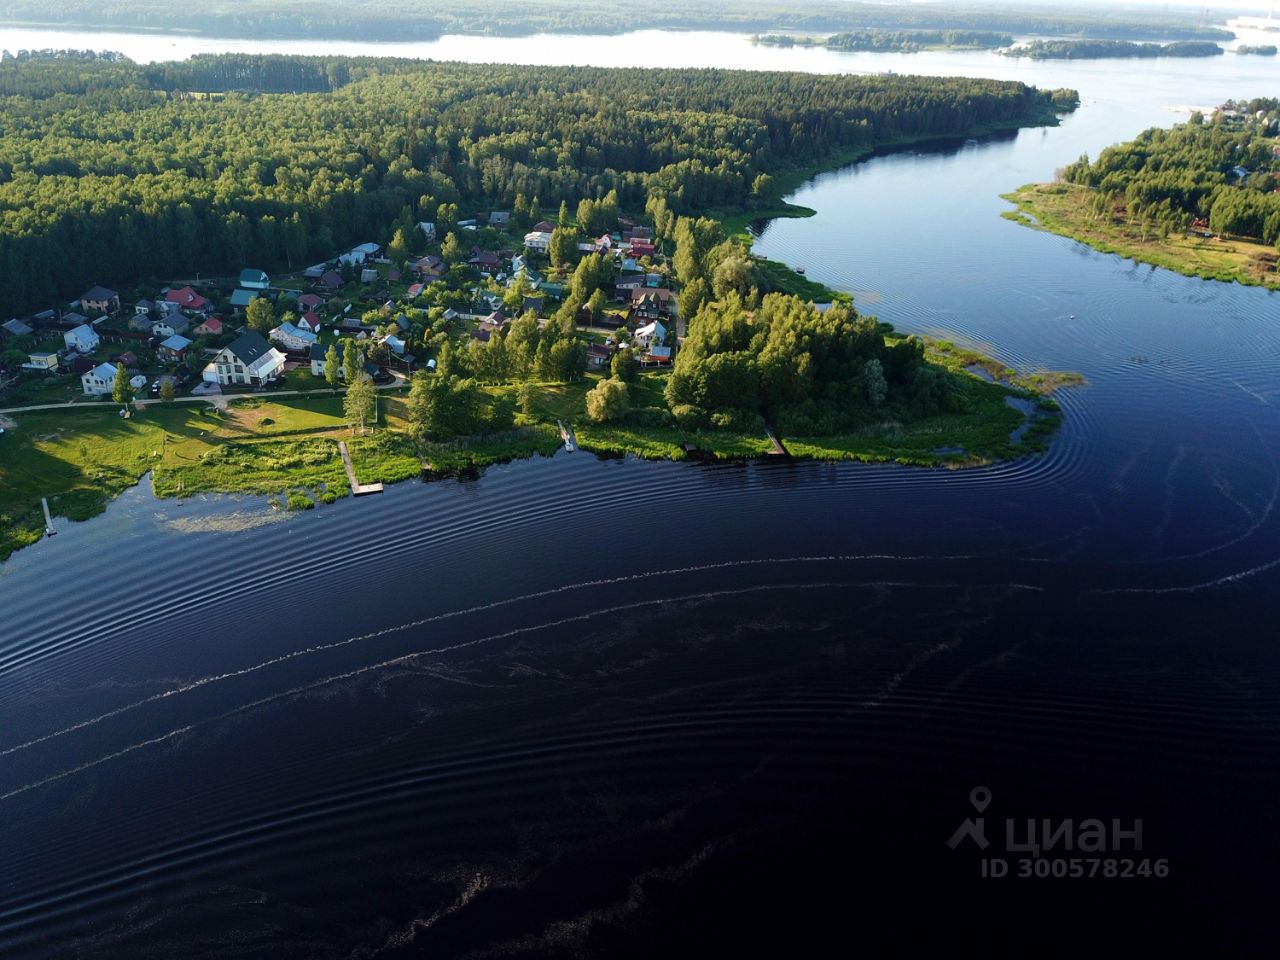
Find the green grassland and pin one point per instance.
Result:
(1062, 209)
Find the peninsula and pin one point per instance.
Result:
(520, 263)
(1199, 199)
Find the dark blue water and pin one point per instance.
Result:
(584, 708)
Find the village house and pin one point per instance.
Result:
(128, 359)
(651, 304)
(42, 361)
(310, 322)
(319, 354)
(359, 255)
(15, 328)
(430, 267)
(428, 231)
(330, 280)
(241, 298)
(292, 338)
(174, 349)
(82, 339)
(499, 219)
(309, 302)
(187, 300)
(254, 279)
(544, 226)
(143, 308)
(248, 360)
(212, 327)
(599, 356)
(99, 381)
(170, 324)
(100, 300)
(486, 261)
(537, 240)
(650, 335)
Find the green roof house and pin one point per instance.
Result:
(254, 279)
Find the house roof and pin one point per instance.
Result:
(289, 330)
(212, 325)
(186, 298)
(599, 350)
(15, 327)
(331, 278)
(128, 358)
(104, 371)
(176, 343)
(309, 300)
(79, 332)
(249, 347)
(242, 297)
(99, 293)
(253, 276)
(320, 351)
(310, 320)
(543, 226)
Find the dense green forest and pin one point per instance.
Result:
(405, 20)
(897, 41)
(1223, 170)
(802, 370)
(112, 172)
(1111, 49)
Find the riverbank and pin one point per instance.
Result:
(1063, 209)
(81, 457)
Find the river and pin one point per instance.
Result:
(614, 708)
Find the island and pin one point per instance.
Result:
(1110, 49)
(403, 20)
(416, 270)
(1266, 50)
(1199, 199)
(893, 41)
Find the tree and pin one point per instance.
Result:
(563, 218)
(563, 245)
(358, 404)
(352, 365)
(260, 315)
(596, 304)
(608, 401)
(623, 366)
(331, 366)
(121, 392)
(735, 272)
(451, 250)
(877, 386)
(398, 248)
(168, 389)
(525, 398)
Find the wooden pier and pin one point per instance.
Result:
(357, 488)
(777, 449)
(566, 434)
(48, 518)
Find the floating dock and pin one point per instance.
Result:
(357, 488)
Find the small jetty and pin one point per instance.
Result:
(778, 450)
(566, 434)
(48, 518)
(358, 489)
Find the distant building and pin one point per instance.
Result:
(42, 361)
(82, 339)
(99, 381)
(100, 299)
(248, 360)
(174, 348)
(254, 279)
(537, 240)
(428, 231)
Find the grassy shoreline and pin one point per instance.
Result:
(1060, 209)
(286, 448)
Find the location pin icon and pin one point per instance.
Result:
(980, 797)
